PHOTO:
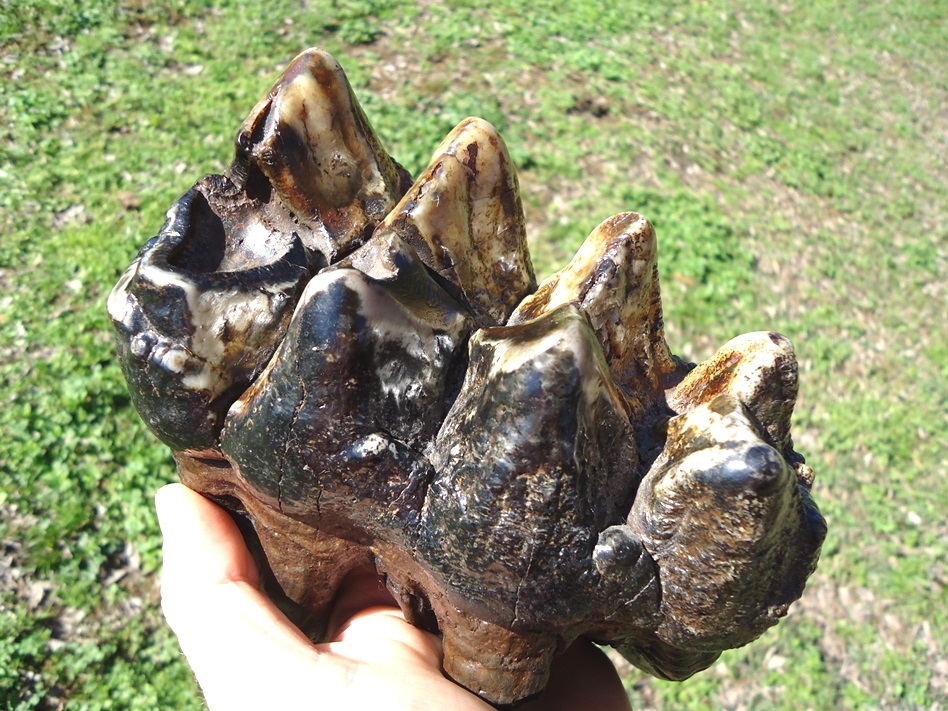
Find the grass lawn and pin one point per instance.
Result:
(792, 157)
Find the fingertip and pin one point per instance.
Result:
(180, 508)
(200, 539)
(166, 500)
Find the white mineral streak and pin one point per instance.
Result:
(571, 335)
(171, 356)
(256, 238)
(392, 323)
(120, 305)
(610, 279)
(204, 358)
(371, 445)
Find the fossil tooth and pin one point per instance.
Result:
(733, 532)
(204, 306)
(653, 655)
(537, 447)
(290, 555)
(614, 280)
(760, 370)
(201, 309)
(364, 372)
(534, 460)
(338, 420)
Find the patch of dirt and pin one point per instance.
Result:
(39, 597)
(27, 590)
(861, 606)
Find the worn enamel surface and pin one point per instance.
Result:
(315, 149)
(365, 373)
(464, 218)
(201, 310)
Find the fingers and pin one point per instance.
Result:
(582, 679)
(247, 655)
(365, 624)
(379, 634)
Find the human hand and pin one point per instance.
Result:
(247, 655)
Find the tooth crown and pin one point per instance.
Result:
(366, 373)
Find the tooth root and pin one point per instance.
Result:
(614, 280)
(464, 218)
(311, 140)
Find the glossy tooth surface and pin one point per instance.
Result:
(201, 310)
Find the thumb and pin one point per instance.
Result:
(229, 631)
(202, 544)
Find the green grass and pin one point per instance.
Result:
(792, 158)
